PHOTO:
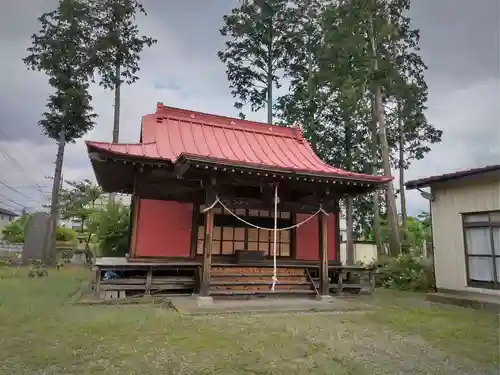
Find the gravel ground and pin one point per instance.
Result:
(360, 348)
(386, 352)
(41, 332)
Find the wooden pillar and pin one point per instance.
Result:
(323, 255)
(207, 243)
(97, 280)
(149, 280)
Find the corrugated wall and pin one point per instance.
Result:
(449, 253)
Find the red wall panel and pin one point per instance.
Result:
(307, 241)
(164, 229)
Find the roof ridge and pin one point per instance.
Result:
(120, 143)
(233, 123)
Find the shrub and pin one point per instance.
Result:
(14, 231)
(405, 272)
(111, 228)
(65, 234)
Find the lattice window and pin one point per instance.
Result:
(230, 234)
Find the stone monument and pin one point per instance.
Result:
(38, 239)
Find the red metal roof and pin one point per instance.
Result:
(172, 133)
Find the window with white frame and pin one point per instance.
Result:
(482, 249)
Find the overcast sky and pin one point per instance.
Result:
(459, 40)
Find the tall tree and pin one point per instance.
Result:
(61, 49)
(410, 134)
(413, 135)
(342, 64)
(117, 49)
(374, 143)
(308, 99)
(377, 12)
(254, 52)
(374, 40)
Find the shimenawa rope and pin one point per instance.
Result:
(275, 229)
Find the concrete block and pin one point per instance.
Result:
(324, 298)
(204, 301)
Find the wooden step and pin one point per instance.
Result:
(257, 282)
(247, 271)
(260, 287)
(253, 275)
(263, 293)
(260, 278)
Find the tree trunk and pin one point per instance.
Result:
(269, 93)
(270, 74)
(50, 253)
(116, 114)
(349, 240)
(394, 243)
(349, 217)
(376, 194)
(310, 95)
(402, 191)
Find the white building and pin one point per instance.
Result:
(465, 209)
(364, 251)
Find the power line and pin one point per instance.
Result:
(10, 200)
(7, 205)
(14, 162)
(18, 192)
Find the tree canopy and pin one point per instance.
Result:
(355, 84)
(255, 50)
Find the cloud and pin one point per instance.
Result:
(183, 70)
(471, 134)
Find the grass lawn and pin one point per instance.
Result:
(41, 332)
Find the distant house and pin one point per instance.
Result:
(465, 209)
(6, 217)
